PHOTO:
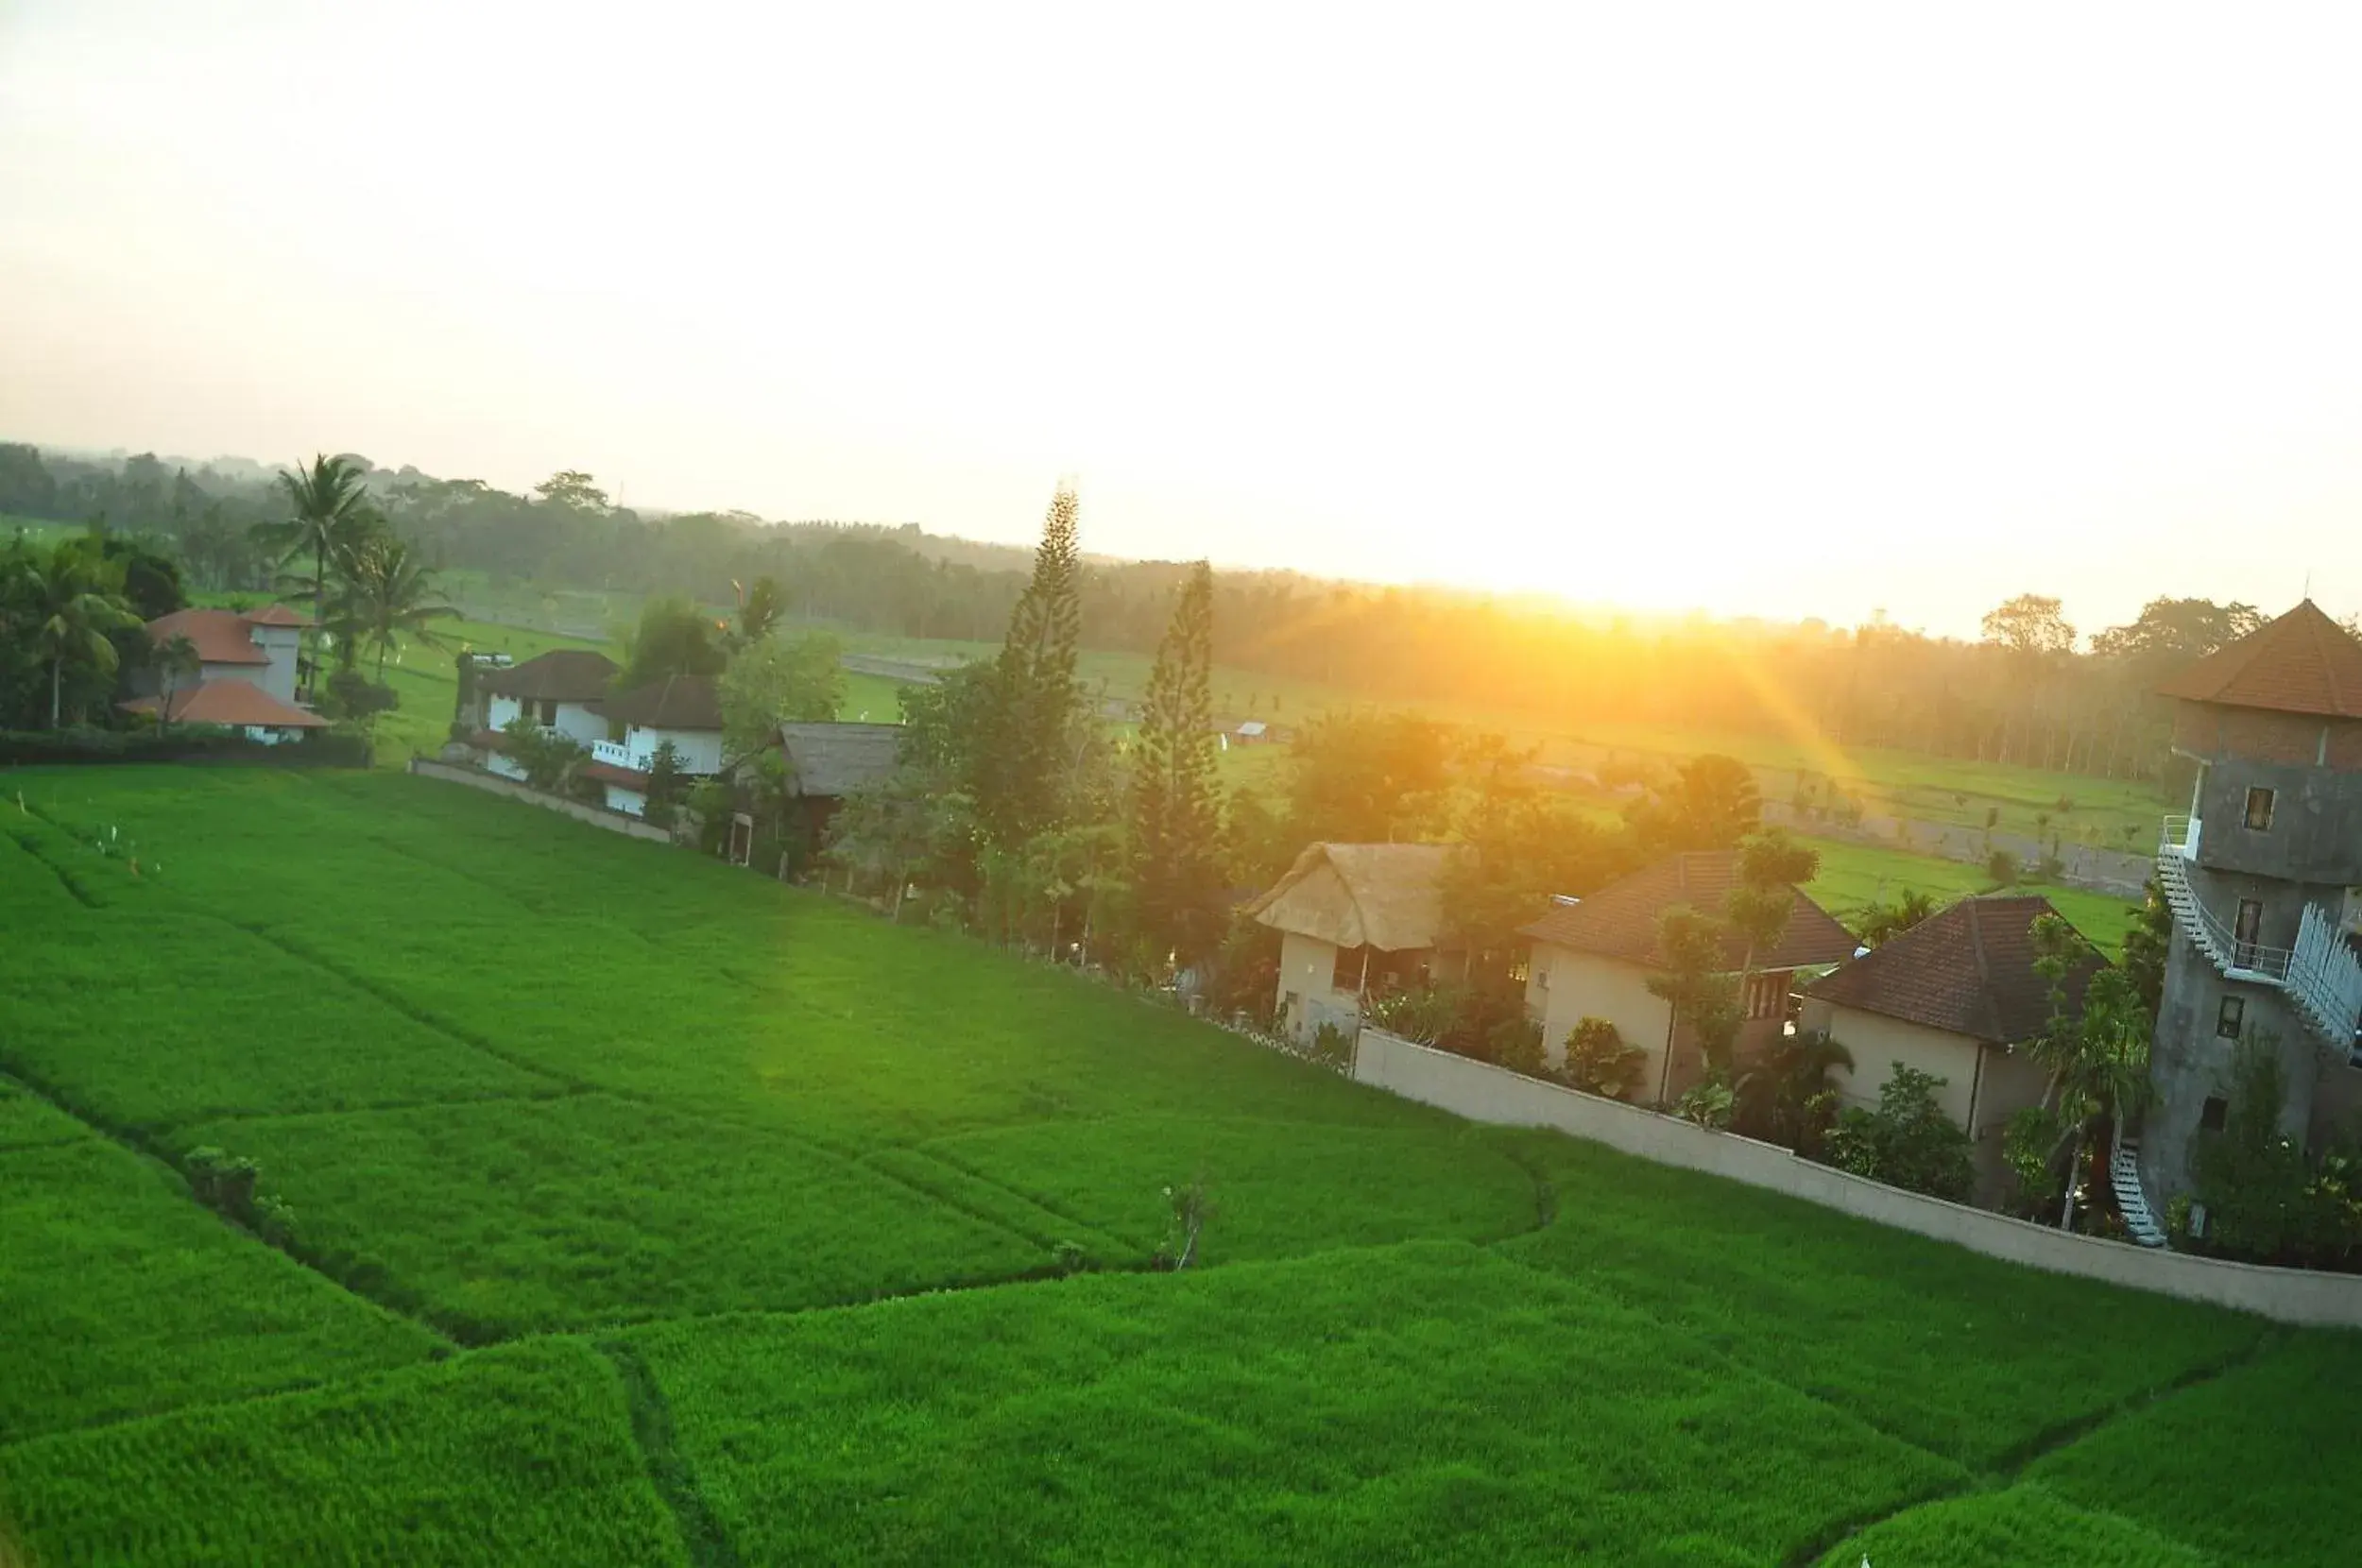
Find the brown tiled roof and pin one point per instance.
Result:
(1968, 970)
(220, 635)
(2304, 662)
(1384, 895)
(1621, 919)
(676, 702)
(275, 614)
(229, 701)
(608, 772)
(560, 675)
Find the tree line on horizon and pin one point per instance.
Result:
(2029, 691)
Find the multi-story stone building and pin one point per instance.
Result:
(2258, 876)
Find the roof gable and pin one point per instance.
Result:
(834, 760)
(1966, 970)
(562, 674)
(2304, 662)
(229, 700)
(220, 637)
(676, 702)
(1621, 920)
(1384, 895)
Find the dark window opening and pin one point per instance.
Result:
(2259, 808)
(2212, 1116)
(2230, 1017)
(2244, 931)
(1767, 996)
(549, 713)
(1346, 973)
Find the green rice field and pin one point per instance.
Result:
(629, 1209)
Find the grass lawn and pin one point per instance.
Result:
(1854, 877)
(648, 1211)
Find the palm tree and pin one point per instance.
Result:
(174, 659)
(392, 597)
(77, 599)
(1778, 1091)
(328, 514)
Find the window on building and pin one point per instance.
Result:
(549, 713)
(1346, 975)
(1767, 996)
(2211, 1115)
(2259, 808)
(2244, 931)
(2230, 1017)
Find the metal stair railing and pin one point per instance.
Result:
(2320, 974)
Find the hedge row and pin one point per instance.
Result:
(318, 748)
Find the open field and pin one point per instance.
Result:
(645, 1211)
(1855, 875)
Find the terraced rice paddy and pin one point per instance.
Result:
(644, 1211)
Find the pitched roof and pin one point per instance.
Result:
(229, 701)
(222, 636)
(560, 675)
(1386, 895)
(1968, 970)
(2304, 662)
(275, 614)
(835, 760)
(676, 702)
(1621, 920)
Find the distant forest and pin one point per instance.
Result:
(2031, 691)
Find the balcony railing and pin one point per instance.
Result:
(616, 754)
(2320, 974)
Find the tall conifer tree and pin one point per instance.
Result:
(1021, 782)
(1176, 823)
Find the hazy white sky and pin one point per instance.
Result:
(1788, 310)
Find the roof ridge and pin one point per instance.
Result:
(2314, 623)
(1985, 1003)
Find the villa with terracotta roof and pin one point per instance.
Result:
(1955, 995)
(1593, 958)
(248, 665)
(560, 691)
(1354, 919)
(2257, 876)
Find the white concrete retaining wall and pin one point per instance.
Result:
(1482, 1092)
(614, 822)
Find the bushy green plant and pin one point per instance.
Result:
(1517, 1044)
(1599, 1061)
(1422, 1014)
(2002, 869)
(1332, 1047)
(1708, 1102)
(548, 756)
(1907, 1142)
(2264, 1200)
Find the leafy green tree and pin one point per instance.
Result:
(673, 636)
(1037, 701)
(1770, 864)
(666, 786)
(69, 603)
(2095, 1050)
(1882, 922)
(1176, 826)
(571, 491)
(1785, 1095)
(2264, 1200)
(1907, 1142)
(2144, 944)
(176, 658)
(773, 681)
(1697, 983)
(1712, 803)
(1599, 1061)
(549, 757)
(758, 610)
(1362, 777)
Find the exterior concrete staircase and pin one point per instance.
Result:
(2320, 975)
(2124, 1175)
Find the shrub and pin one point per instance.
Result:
(2002, 869)
(1907, 1142)
(1708, 1102)
(1599, 1061)
(1331, 1046)
(1517, 1044)
(1424, 1014)
(548, 756)
(354, 695)
(320, 748)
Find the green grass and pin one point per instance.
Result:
(2237, 1467)
(494, 1220)
(808, 1177)
(1854, 876)
(120, 1296)
(2011, 1528)
(1427, 1404)
(519, 1455)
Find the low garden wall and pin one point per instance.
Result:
(597, 816)
(1482, 1092)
